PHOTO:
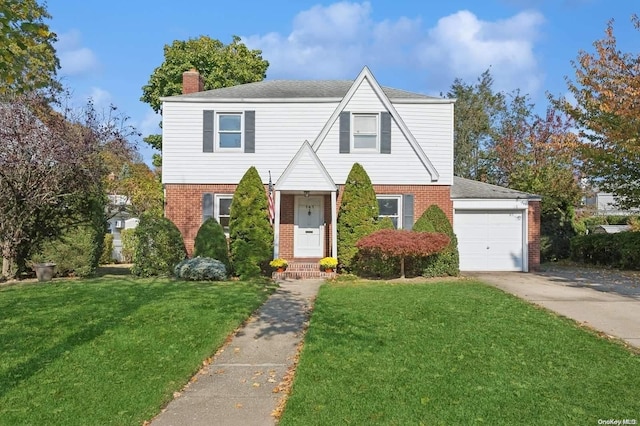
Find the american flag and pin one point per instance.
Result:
(272, 213)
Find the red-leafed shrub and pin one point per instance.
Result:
(402, 243)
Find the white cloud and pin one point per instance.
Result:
(75, 59)
(150, 124)
(337, 40)
(461, 45)
(101, 98)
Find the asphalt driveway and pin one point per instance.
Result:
(606, 300)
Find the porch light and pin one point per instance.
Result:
(306, 194)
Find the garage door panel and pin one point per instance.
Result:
(490, 240)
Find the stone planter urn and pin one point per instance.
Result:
(44, 271)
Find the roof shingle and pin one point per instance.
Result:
(291, 89)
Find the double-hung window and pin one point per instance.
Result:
(365, 132)
(229, 126)
(222, 210)
(391, 206)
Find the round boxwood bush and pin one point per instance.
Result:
(201, 269)
(211, 242)
(159, 247)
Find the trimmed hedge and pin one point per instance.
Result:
(201, 269)
(613, 250)
(128, 240)
(159, 247)
(211, 242)
(107, 250)
(447, 262)
(358, 215)
(76, 253)
(250, 231)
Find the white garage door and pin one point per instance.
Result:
(490, 240)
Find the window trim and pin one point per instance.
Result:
(399, 214)
(352, 132)
(216, 208)
(218, 115)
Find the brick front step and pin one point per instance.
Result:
(303, 270)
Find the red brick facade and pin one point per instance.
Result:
(183, 206)
(534, 235)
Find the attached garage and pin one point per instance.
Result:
(492, 227)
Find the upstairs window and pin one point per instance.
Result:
(365, 132)
(230, 131)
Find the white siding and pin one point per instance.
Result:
(305, 175)
(280, 131)
(281, 128)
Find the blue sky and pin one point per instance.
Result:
(108, 50)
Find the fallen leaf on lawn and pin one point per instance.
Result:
(236, 350)
(256, 385)
(271, 380)
(275, 390)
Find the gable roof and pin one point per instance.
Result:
(365, 74)
(467, 188)
(305, 172)
(290, 89)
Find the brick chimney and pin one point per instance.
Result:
(192, 82)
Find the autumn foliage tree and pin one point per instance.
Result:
(51, 172)
(607, 113)
(402, 244)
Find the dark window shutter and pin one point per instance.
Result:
(385, 132)
(250, 131)
(407, 211)
(207, 206)
(345, 132)
(207, 131)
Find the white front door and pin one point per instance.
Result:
(307, 238)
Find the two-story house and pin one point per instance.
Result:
(307, 135)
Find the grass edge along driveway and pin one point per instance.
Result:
(109, 350)
(455, 352)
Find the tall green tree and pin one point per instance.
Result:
(476, 107)
(358, 214)
(27, 57)
(250, 231)
(607, 113)
(219, 64)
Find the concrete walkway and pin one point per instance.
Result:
(576, 298)
(241, 385)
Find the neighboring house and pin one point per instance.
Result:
(611, 229)
(307, 135)
(119, 218)
(606, 204)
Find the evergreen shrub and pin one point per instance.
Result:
(201, 269)
(159, 247)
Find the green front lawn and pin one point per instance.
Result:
(109, 350)
(454, 353)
